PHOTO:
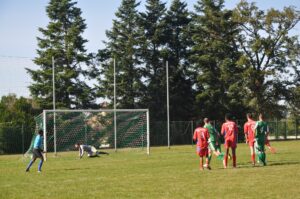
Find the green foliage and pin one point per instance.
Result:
(177, 43)
(62, 39)
(16, 123)
(270, 56)
(152, 24)
(122, 45)
(214, 56)
(164, 174)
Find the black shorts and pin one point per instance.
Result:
(37, 153)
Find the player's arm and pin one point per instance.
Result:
(195, 136)
(246, 132)
(223, 130)
(236, 131)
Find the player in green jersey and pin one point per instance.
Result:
(261, 132)
(214, 145)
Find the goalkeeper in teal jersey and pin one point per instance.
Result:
(261, 132)
(214, 145)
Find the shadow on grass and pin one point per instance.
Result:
(282, 163)
(72, 169)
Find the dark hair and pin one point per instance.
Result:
(250, 115)
(261, 116)
(199, 123)
(40, 132)
(206, 120)
(228, 116)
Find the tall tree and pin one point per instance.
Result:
(270, 55)
(152, 44)
(176, 51)
(122, 45)
(62, 39)
(214, 54)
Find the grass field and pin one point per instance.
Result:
(164, 174)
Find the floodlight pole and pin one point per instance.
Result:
(115, 114)
(54, 115)
(168, 108)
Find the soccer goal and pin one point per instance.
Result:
(102, 128)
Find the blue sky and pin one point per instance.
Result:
(20, 20)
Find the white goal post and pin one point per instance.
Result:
(105, 128)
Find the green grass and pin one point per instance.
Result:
(164, 174)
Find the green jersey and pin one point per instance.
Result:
(261, 130)
(212, 133)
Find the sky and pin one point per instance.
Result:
(20, 20)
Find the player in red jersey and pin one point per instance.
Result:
(229, 131)
(201, 136)
(249, 130)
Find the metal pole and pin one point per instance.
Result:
(54, 114)
(45, 135)
(192, 131)
(22, 138)
(148, 133)
(168, 114)
(115, 115)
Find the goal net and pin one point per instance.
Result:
(103, 128)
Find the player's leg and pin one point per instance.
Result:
(201, 163)
(252, 151)
(226, 145)
(41, 162)
(207, 160)
(211, 150)
(30, 163)
(233, 149)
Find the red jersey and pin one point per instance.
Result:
(229, 130)
(202, 136)
(249, 130)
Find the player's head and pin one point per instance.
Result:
(228, 116)
(249, 116)
(77, 145)
(199, 123)
(40, 132)
(206, 120)
(261, 116)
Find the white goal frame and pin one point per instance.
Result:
(92, 110)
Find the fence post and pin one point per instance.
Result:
(285, 130)
(192, 129)
(296, 128)
(22, 131)
(276, 135)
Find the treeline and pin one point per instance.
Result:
(220, 60)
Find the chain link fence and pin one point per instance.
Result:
(181, 132)
(16, 139)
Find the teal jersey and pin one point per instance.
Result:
(261, 130)
(38, 142)
(212, 133)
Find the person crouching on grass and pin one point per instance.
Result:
(201, 136)
(37, 151)
(90, 150)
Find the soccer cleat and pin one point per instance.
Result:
(220, 156)
(207, 166)
(39, 171)
(27, 170)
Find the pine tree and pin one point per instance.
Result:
(152, 44)
(122, 45)
(214, 54)
(176, 51)
(62, 39)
